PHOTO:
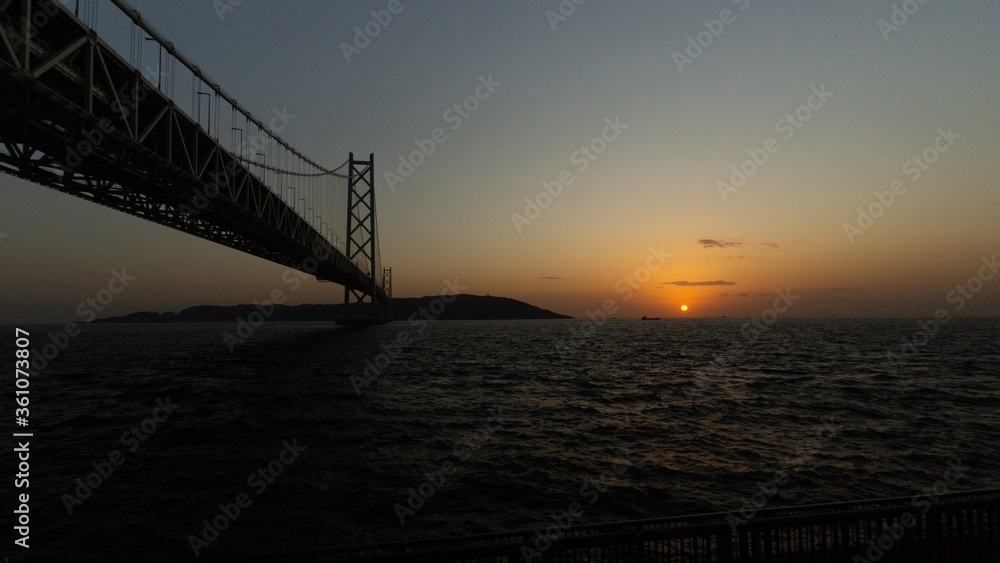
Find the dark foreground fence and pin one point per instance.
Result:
(956, 527)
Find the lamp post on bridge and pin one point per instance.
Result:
(264, 165)
(209, 110)
(159, 65)
(241, 140)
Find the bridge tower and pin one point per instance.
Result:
(361, 247)
(387, 290)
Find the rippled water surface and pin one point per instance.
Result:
(644, 419)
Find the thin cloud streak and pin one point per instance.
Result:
(685, 283)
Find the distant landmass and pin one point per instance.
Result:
(464, 307)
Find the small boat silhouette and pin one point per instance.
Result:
(645, 318)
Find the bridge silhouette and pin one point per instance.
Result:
(130, 129)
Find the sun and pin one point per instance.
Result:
(684, 307)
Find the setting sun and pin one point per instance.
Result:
(684, 307)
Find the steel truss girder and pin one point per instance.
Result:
(78, 118)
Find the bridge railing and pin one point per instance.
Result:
(961, 526)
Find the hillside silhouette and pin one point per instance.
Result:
(464, 307)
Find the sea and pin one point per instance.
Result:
(171, 442)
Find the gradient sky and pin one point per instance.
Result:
(656, 185)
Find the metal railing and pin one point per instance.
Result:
(956, 527)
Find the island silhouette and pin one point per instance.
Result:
(464, 307)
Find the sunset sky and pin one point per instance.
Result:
(838, 103)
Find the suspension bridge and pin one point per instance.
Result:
(125, 120)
